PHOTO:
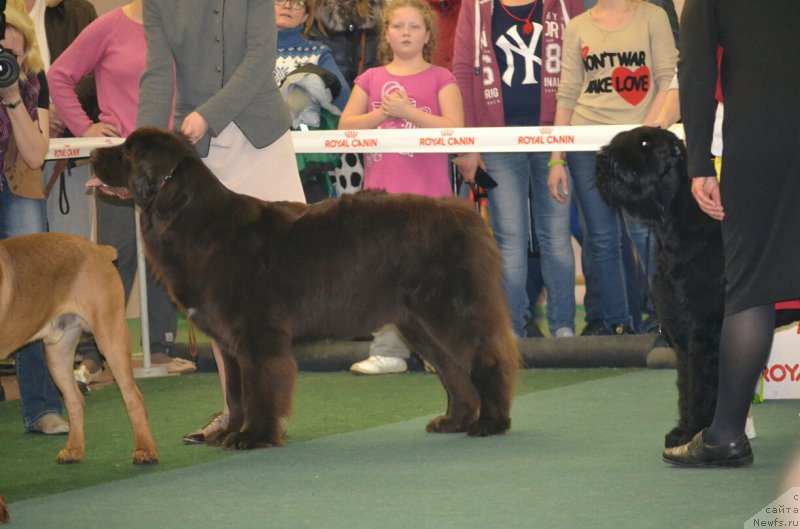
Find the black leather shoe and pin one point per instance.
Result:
(620, 329)
(594, 328)
(696, 453)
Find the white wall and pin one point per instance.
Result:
(104, 6)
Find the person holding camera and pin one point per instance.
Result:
(23, 146)
(511, 79)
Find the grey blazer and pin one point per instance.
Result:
(224, 55)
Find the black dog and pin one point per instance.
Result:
(643, 171)
(258, 276)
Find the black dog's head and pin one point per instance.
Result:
(144, 164)
(641, 171)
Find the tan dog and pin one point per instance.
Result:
(53, 287)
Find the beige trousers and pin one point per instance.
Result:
(269, 174)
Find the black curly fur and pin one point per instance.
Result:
(643, 171)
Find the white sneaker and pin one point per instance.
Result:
(82, 374)
(50, 424)
(380, 365)
(750, 428)
(564, 332)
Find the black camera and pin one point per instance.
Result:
(9, 68)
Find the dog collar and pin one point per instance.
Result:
(172, 171)
(169, 174)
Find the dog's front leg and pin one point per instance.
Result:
(60, 354)
(268, 375)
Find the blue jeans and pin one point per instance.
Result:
(516, 174)
(38, 394)
(639, 273)
(602, 239)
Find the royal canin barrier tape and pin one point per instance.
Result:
(456, 140)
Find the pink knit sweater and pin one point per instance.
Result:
(114, 48)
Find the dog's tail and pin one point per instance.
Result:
(109, 251)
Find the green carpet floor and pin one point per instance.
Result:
(584, 455)
(325, 404)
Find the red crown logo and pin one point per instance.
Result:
(351, 133)
(546, 130)
(447, 132)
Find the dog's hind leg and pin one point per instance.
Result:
(267, 374)
(112, 340)
(494, 372)
(59, 348)
(462, 397)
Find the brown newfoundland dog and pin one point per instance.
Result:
(258, 276)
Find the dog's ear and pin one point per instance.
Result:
(608, 183)
(678, 149)
(172, 193)
(155, 154)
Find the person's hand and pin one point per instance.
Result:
(705, 190)
(102, 129)
(557, 182)
(467, 164)
(194, 126)
(55, 123)
(396, 104)
(9, 94)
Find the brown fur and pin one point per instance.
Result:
(258, 276)
(53, 287)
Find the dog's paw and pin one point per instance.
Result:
(249, 440)
(69, 455)
(677, 437)
(445, 424)
(145, 456)
(4, 516)
(485, 427)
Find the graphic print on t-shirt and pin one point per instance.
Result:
(519, 60)
(630, 75)
(395, 123)
(512, 43)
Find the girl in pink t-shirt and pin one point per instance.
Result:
(407, 92)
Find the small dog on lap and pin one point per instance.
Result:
(258, 276)
(643, 171)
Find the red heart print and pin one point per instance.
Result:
(584, 52)
(632, 86)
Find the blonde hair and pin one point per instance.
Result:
(17, 16)
(385, 53)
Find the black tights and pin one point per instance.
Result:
(743, 350)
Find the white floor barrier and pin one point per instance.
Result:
(478, 139)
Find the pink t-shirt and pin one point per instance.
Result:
(114, 48)
(421, 174)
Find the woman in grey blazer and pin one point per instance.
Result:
(217, 58)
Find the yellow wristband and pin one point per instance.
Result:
(560, 161)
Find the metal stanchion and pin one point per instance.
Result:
(147, 370)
